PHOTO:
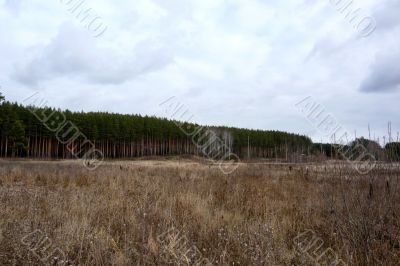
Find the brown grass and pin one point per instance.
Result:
(114, 215)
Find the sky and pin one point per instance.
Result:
(242, 63)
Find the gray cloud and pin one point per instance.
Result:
(384, 74)
(239, 63)
(387, 14)
(73, 54)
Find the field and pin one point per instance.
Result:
(186, 212)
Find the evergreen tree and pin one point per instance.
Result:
(18, 140)
(127, 136)
(392, 150)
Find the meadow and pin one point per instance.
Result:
(188, 212)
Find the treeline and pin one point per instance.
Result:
(356, 148)
(26, 131)
(31, 132)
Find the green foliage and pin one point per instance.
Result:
(117, 128)
(17, 138)
(393, 151)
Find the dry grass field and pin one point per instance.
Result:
(159, 212)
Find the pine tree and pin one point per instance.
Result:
(122, 136)
(18, 140)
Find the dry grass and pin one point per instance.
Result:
(114, 215)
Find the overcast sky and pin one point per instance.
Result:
(243, 63)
